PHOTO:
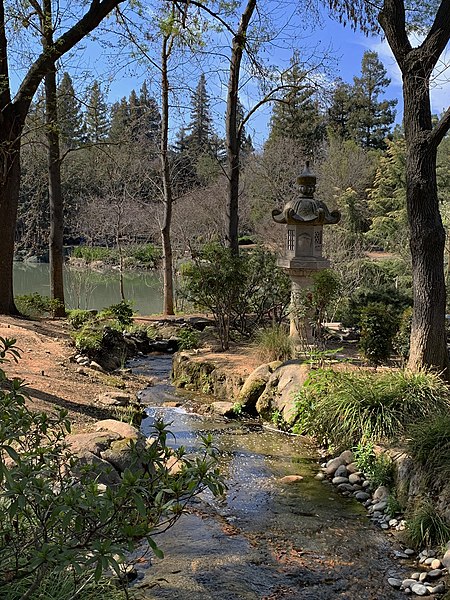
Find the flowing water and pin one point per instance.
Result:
(265, 539)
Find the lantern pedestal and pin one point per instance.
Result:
(304, 218)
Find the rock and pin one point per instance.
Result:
(320, 476)
(120, 455)
(352, 468)
(398, 554)
(81, 371)
(102, 471)
(96, 367)
(436, 564)
(438, 589)
(338, 480)
(341, 471)
(408, 583)
(380, 506)
(225, 409)
(333, 464)
(394, 582)
(381, 493)
(415, 576)
(419, 589)
(347, 457)
(410, 551)
(291, 478)
(428, 561)
(254, 386)
(422, 577)
(362, 496)
(279, 393)
(95, 443)
(354, 478)
(393, 522)
(446, 559)
(434, 573)
(173, 465)
(366, 483)
(115, 398)
(125, 430)
(345, 487)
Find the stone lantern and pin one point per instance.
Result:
(304, 218)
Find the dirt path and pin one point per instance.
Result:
(52, 379)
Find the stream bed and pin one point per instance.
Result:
(265, 539)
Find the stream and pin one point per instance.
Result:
(265, 539)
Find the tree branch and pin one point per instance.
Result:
(440, 130)
(393, 22)
(438, 36)
(98, 10)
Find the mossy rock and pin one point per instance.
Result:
(254, 386)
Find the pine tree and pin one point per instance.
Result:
(297, 116)
(96, 118)
(120, 120)
(371, 119)
(70, 117)
(339, 113)
(200, 128)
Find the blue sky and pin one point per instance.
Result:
(345, 47)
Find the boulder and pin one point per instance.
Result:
(124, 430)
(279, 394)
(102, 471)
(115, 398)
(254, 386)
(94, 443)
(120, 455)
(224, 409)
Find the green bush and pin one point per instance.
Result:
(56, 520)
(36, 305)
(402, 337)
(93, 253)
(146, 254)
(241, 292)
(426, 527)
(274, 343)
(346, 408)
(379, 469)
(121, 312)
(79, 317)
(189, 338)
(378, 326)
(89, 338)
(429, 444)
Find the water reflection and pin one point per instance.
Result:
(92, 289)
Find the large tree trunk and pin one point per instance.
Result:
(168, 304)
(10, 132)
(427, 242)
(55, 195)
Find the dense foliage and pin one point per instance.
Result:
(58, 520)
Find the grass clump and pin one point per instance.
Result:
(346, 408)
(429, 444)
(274, 343)
(35, 305)
(189, 338)
(426, 527)
(378, 468)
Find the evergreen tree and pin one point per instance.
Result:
(371, 119)
(96, 118)
(70, 117)
(297, 116)
(339, 113)
(120, 120)
(200, 128)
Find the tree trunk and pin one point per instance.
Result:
(232, 128)
(428, 346)
(55, 194)
(10, 132)
(168, 304)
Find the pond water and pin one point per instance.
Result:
(93, 289)
(265, 539)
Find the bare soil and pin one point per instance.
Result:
(53, 379)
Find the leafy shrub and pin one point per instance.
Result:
(146, 254)
(426, 527)
(345, 408)
(93, 253)
(189, 338)
(273, 343)
(378, 326)
(378, 469)
(402, 337)
(79, 317)
(36, 305)
(429, 444)
(56, 519)
(121, 312)
(240, 291)
(388, 295)
(88, 339)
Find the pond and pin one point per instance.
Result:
(85, 288)
(264, 539)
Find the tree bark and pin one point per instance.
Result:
(12, 119)
(428, 346)
(232, 128)
(168, 304)
(55, 195)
